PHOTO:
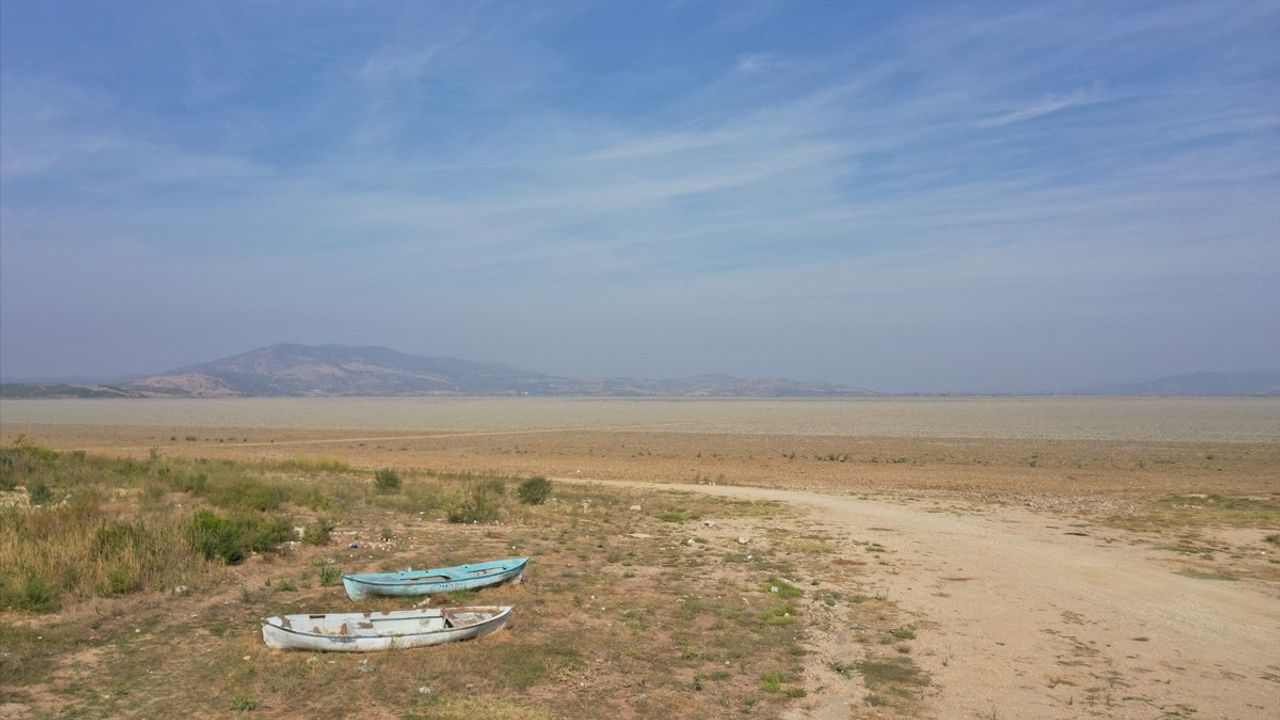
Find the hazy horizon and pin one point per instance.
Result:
(929, 198)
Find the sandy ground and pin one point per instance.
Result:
(1024, 618)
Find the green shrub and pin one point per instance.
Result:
(215, 538)
(386, 480)
(120, 580)
(39, 493)
(330, 575)
(37, 594)
(230, 539)
(264, 534)
(534, 491)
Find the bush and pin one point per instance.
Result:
(229, 539)
(39, 493)
(215, 537)
(480, 504)
(35, 595)
(319, 532)
(386, 480)
(534, 491)
(330, 575)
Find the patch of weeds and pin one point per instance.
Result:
(674, 516)
(248, 494)
(782, 588)
(315, 464)
(330, 576)
(386, 480)
(895, 675)
(1188, 549)
(481, 503)
(319, 532)
(905, 632)
(525, 665)
(35, 594)
(243, 703)
(771, 682)
(39, 493)
(287, 585)
(1201, 575)
(781, 614)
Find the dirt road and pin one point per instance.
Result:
(1026, 616)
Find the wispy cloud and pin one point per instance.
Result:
(501, 178)
(1050, 104)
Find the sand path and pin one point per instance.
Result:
(1020, 619)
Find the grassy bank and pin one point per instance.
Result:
(133, 588)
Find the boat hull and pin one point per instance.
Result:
(370, 632)
(435, 580)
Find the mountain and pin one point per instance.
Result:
(1247, 382)
(338, 370)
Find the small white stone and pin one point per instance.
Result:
(424, 690)
(742, 539)
(636, 508)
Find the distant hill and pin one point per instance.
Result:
(337, 370)
(1249, 382)
(59, 390)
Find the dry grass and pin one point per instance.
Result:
(622, 613)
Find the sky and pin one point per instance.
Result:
(907, 197)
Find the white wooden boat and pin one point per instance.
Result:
(368, 631)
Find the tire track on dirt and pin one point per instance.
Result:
(1021, 620)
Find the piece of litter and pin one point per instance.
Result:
(424, 690)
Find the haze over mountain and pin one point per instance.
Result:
(1245, 382)
(288, 369)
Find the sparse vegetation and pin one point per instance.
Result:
(316, 465)
(783, 589)
(319, 532)
(330, 575)
(906, 632)
(892, 676)
(478, 504)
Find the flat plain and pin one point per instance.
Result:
(904, 557)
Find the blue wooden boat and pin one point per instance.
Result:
(434, 580)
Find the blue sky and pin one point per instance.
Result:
(901, 196)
